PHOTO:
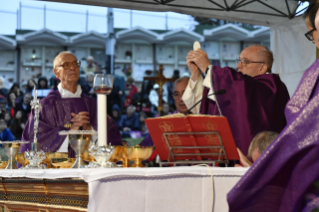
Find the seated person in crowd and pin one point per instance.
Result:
(129, 122)
(15, 88)
(8, 118)
(5, 133)
(165, 111)
(257, 146)
(91, 66)
(178, 90)
(130, 90)
(18, 124)
(144, 129)
(30, 86)
(87, 85)
(65, 109)
(42, 83)
(116, 113)
(25, 105)
(3, 90)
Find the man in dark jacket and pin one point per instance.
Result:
(129, 121)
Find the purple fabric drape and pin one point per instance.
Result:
(280, 178)
(251, 105)
(55, 116)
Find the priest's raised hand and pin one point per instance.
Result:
(198, 58)
(255, 99)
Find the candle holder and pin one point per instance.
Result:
(79, 141)
(35, 156)
(11, 148)
(103, 85)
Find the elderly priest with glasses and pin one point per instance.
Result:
(66, 108)
(254, 100)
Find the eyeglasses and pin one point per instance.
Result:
(67, 65)
(309, 35)
(244, 62)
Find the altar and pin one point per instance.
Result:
(118, 189)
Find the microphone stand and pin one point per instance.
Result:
(222, 91)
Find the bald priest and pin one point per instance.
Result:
(67, 108)
(254, 101)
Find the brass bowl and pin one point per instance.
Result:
(64, 163)
(21, 159)
(139, 153)
(3, 164)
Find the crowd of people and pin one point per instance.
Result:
(279, 134)
(128, 104)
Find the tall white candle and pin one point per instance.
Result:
(102, 119)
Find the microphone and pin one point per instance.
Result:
(219, 92)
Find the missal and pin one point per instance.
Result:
(211, 130)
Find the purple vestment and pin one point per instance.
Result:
(55, 116)
(251, 104)
(280, 178)
(147, 141)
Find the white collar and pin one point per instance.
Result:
(67, 94)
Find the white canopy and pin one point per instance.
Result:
(259, 12)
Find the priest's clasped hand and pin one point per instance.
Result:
(81, 119)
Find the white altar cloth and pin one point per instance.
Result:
(148, 189)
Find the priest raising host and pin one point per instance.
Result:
(66, 108)
(255, 99)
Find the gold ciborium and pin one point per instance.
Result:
(138, 154)
(21, 159)
(3, 164)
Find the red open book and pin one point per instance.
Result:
(192, 123)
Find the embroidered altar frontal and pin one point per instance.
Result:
(43, 195)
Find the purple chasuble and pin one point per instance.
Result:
(55, 116)
(251, 104)
(147, 141)
(286, 171)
